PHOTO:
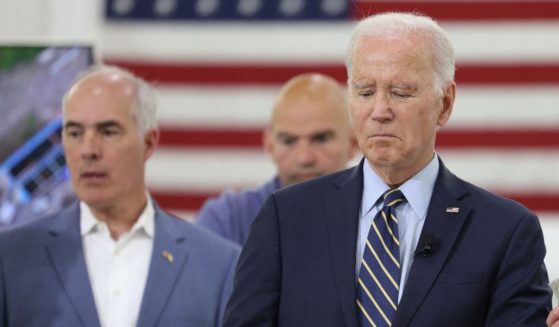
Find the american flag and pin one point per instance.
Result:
(217, 65)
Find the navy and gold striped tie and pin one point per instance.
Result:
(379, 275)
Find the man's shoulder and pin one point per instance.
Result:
(487, 203)
(199, 237)
(319, 185)
(234, 207)
(247, 196)
(31, 232)
(484, 198)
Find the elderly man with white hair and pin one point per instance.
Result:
(397, 240)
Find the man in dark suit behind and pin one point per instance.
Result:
(398, 240)
(114, 258)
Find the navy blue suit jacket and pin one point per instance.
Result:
(44, 279)
(297, 267)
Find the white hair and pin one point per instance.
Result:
(144, 107)
(394, 23)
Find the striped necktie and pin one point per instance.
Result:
(379, 275)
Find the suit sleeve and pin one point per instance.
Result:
(256, 293)
(227, 288)
(521, 296)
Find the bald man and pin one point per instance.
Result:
(309, 135)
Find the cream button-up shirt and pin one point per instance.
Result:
(118, 269)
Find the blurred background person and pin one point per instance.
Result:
(114, 258)
(309, 135)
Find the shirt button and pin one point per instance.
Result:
(116, 292)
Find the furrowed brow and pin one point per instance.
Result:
(107, 124)
(72, 124)
(362, 85)
(404, 86)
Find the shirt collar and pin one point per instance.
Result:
(417, 190)
(146, 221)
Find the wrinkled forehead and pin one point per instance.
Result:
(307, 119)
(305, 109)
(104, 84)
(413, 46)
(394, 57)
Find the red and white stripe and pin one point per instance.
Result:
(216, 84)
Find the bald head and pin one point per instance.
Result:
(322, 91)
(309, 133)
(125, 86)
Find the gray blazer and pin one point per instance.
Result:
(44, 279)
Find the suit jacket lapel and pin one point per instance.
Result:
(342, 214)
(444, 227)
(64, 247)
(167, 261)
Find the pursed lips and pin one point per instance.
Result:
(383, 135)
(92, 175)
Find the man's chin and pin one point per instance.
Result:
(94, 199)
(305, 177)
(381, 158)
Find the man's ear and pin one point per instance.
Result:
(447, 104)
(151, 139)
(267, 142)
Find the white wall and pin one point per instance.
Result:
(50, 20)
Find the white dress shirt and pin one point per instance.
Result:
(411, 215)
(117, 269)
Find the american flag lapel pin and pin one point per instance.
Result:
(452, 209)
(168, 256)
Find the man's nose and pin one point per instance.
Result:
(381, 109)
(91, 147)
(305, 153)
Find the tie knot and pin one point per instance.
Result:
(393, 197)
